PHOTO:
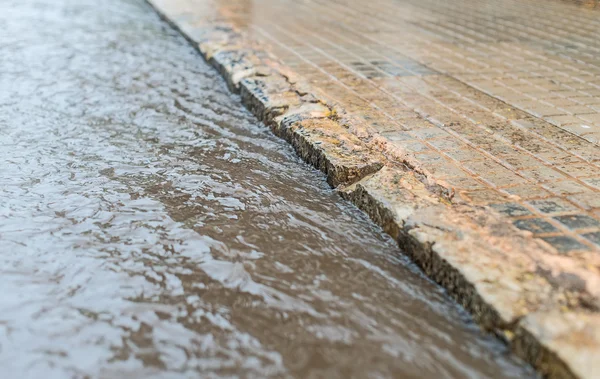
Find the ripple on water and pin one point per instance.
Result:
(152, 228)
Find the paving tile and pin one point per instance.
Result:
(519, 117)
(465, 154)
(592, 155)
(579, 170)
(579, 128)
(411, 146)
(395, 135)
(559, 102)
(511, 209)
(535, 225)
(594, 182)
(525, 124)
(585, 100)
(465, 183)
(555, 156)
(414, 123)
(520, 160)
(593, 137)
(543, 174)
(430, 158)
(445, 169)
(494, 173)
(586, 200)
(483, 197)
(577, 109)
(578, 221)
(563, 120)
(593, 237)
(565, 244)
(527, 191)
(500, 149)
(446, 144)
(566, 187)
(593, 118)
(538, 109)
(553, 205)
(428, 133)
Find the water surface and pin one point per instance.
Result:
(151, 227)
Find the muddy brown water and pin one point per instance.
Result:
(151, 227)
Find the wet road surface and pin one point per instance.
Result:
(150, 227)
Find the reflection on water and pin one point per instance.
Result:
(151, 228)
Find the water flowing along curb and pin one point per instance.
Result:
(504, 277)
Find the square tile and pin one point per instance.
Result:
(553, 205)
(594, 237)
(465, 154)
(444, 169)
(430, 158)
(446, 144)
(580, 170)
(558, 157)
(594, 182)
(413, 147)
(579, 128)
(593, 137)
(395, 135)
(538, 109)
(520, 161)
(511, 209)
(535, 225)
(494, 173)
(502, 178)
(464, 183)
(578, 221)
(543, 174)
(563, 120)
(577, 109)
(502, 149)
(485, 196)
(566, 187)
(586, 200)
(427, 133)
(527, 191)
(593, 118)
(564, 244)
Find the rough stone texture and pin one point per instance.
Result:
(455, 250)
(495, 201)
(549, 339)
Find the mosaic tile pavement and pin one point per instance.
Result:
(497, 100)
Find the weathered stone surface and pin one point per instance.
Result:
(304, 124)
(452, 172)
(269, 96)
(457, 249)
(328, 147)
(552, 338)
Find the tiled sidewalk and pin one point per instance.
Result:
(497, 100)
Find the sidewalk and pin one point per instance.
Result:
(471, 130)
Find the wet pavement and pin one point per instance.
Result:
(498, 101)
(150, 227)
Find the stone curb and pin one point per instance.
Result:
(499, 274)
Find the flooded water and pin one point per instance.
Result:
(150, 227)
